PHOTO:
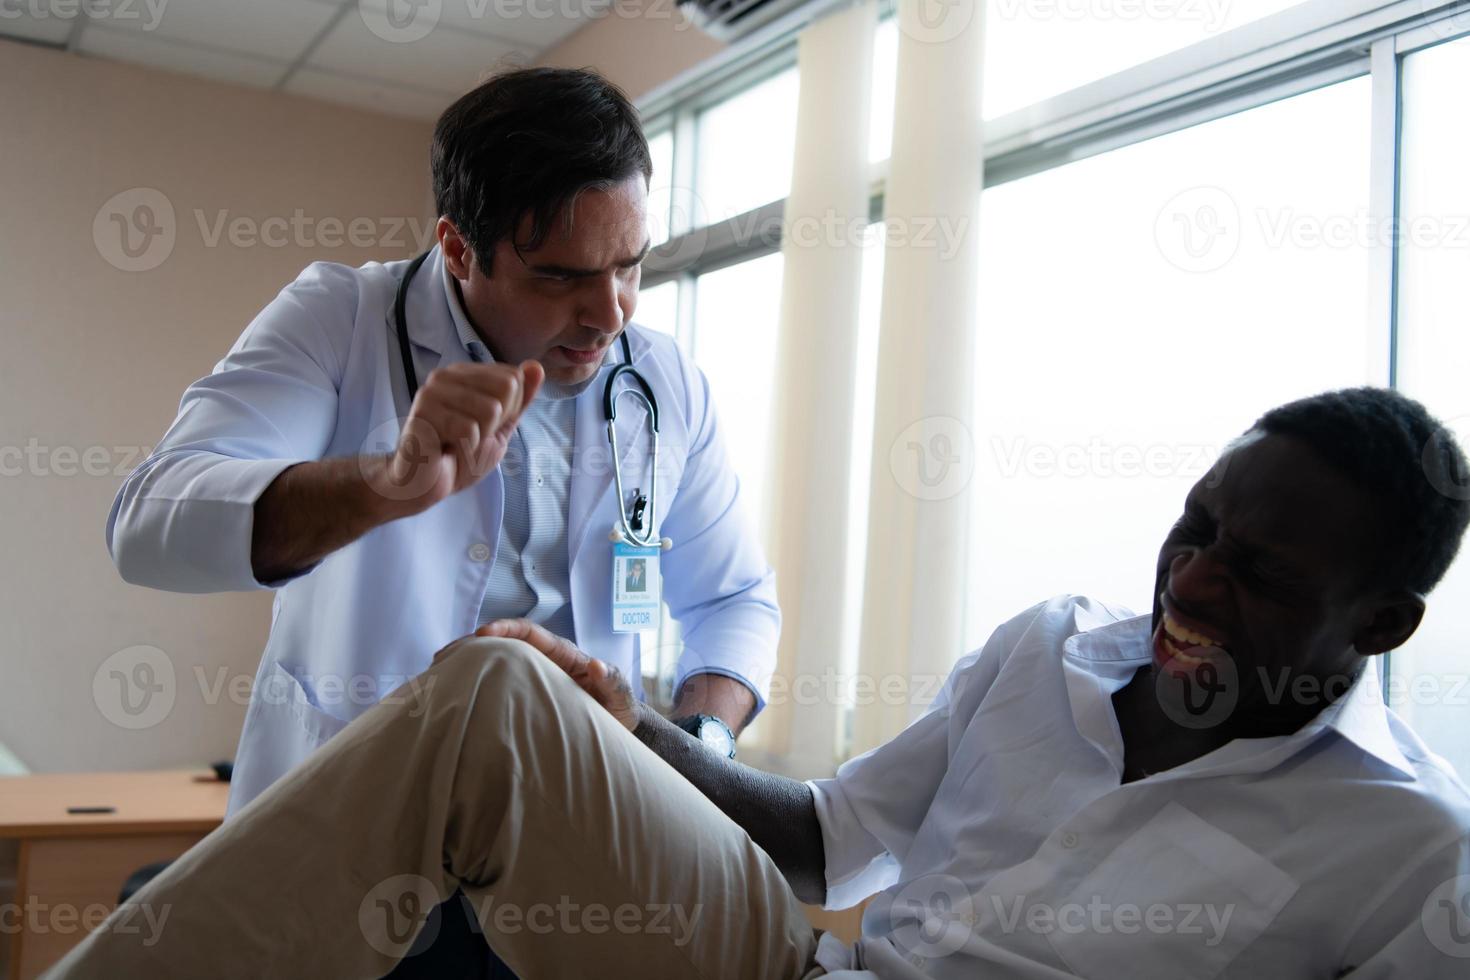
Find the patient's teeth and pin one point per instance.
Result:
(1181, 632)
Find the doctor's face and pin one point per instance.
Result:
(565, 302)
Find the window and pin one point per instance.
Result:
(745, 148)
(1036, 49)
(1430, 680)
(658, 308)
(660, 188)
(1141, 308)
(1158, 268)
(737, 310)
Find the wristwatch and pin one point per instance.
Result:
(715, 734)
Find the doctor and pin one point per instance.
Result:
(391, 521)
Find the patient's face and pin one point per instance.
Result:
(1267, 568)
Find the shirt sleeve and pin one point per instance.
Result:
(183, 520)
(871, 811)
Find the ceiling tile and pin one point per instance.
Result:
(422, 53)
(157, 52)
(532, 24)
(276, 29)
(386, 97)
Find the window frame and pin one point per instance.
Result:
(1287, 54)
(1290, 53)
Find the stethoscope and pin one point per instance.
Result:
(636, 528)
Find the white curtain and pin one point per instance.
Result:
(812, 438)
(911, 597)
(923, 444)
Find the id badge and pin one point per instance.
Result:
(637, 588)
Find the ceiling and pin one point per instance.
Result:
(405, 57)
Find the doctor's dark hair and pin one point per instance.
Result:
(1389, 445)
(525, 144)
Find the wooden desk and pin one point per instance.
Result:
(70, 867)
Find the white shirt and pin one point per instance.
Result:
(1003, 843)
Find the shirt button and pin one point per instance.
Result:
(1069, 840)
(479, 551)
(540, 481)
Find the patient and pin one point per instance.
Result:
(1214, 789)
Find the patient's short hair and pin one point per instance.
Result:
(1390, 445)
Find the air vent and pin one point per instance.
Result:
(727, 20)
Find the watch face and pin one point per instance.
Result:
(717, 737)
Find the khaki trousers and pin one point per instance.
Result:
(583, 853)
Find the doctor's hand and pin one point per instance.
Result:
(458, 429)
(605, 684)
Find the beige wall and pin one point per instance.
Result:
(639, 44)
(97, 357)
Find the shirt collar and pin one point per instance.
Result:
(1098, 662)
(468, 337)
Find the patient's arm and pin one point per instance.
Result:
(778, 813)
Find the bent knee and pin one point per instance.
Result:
(501, 669)
(484, 654)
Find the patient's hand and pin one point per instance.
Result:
(605, 684)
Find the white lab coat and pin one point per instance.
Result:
(318, 374)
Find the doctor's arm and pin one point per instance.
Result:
(724, 697)
(182, 520)
(237, 495)
(455, 434)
